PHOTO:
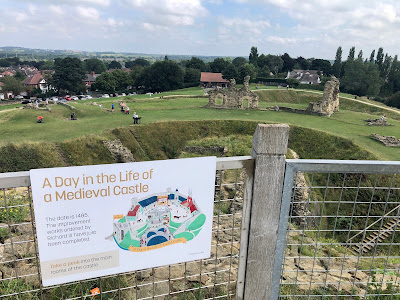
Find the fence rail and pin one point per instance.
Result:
(219, 277)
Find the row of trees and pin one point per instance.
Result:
(90, 65)
(377, 75)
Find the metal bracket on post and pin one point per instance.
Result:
(269, 150)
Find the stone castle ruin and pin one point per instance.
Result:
(232, 97)
(330, 101)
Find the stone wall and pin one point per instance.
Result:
(232, 97)
(377, 122)
(119, 151)
(330, 101)
(389, 141)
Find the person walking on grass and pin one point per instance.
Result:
(135, 118)
(112, 107)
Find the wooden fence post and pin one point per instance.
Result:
(269, 150)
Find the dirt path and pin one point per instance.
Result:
(7, 110)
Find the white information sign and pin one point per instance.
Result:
(93, 221)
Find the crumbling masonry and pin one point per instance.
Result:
(330, 101)
(232, 97)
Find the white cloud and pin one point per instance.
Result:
(281, 40)
(169, 13)
(114, 23)
(32, 9)
(241, 27)
(54, 9)
(72, 2)
(20, 17)
(89, 13)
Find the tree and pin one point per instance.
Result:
(253, 56)
(68, 74)
(262, 61)
(361, 79)
(360, 56)
(138, 62)
(94, 65)
(161, 76)
(218, 65)
(372, 57)
(247, 69)
(352, 52)
(322, 65)
(47, 65)
(239, 61)
(19, 76)
(114, 65)
(135, 73)
(394, 76)
(192, 77)
(106, 82)
(337, 65)
(122, 79)
(387, 63)
(394, 100)
(274, 63)
(196, 63)
(12, 84)
(305, 64)
(288, 63)
(379, 58)
(230, 72)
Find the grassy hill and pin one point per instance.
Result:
(59, 141)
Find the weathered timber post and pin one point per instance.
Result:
(269, 150)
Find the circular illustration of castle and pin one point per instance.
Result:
(157, 221)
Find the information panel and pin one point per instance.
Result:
(98, 220)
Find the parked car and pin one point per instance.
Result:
(89, 97)
(123, 94)
(19, 97)
(54, 98)
(68, 98)
(105, 96)
(132, 94)
(82, 97)
(74, 98)
(26, 101)
(62, 100)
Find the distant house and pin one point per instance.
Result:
(36, 82)
(305, 76)
(90, 78)
(4, 94)
(209, 80)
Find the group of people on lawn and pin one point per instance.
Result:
(125, 109)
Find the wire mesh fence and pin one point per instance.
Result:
(342, 238)
(213, 278)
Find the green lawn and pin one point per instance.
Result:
(17, 126)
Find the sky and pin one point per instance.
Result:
(307, 28)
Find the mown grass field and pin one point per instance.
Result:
(19, 126)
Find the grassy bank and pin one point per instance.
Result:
(164, 140)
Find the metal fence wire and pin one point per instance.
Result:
(339, 234)
(213, 278)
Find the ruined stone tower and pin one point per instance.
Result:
(330, 101)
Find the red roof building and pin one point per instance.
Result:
(35, 81)
(90, 79)
(209, 80)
